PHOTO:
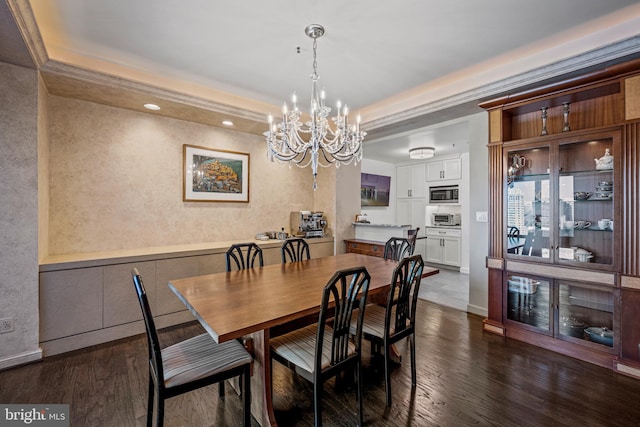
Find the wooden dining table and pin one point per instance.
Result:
(266, 301)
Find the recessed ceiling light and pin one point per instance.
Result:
(227, 122)
(153, 107)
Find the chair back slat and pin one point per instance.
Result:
(403, 295)
(397, 248)
(243, 256)
(155, 356)
(347, 289)
(295, 249)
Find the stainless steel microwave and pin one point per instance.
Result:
(443, 194)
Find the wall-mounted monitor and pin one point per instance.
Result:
(374, 189)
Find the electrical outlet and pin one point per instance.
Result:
(6, 325)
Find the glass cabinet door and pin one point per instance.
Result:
(586, 202)
(528, 301)
(586, 313)
(528, 204)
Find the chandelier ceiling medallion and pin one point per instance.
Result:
(315, 142)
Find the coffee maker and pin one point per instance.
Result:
(308, 224)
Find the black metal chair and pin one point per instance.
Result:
(321, 351)
(191, 364)
(386, 326)
(243, 255)
(397, 248)
(295, 249)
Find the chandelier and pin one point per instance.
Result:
(315, 142)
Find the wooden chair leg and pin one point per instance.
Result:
(412, 344)
(387, 374)
(150, 402)
(221, 389)
(317, 399)
(359, 393)
(246, 396)
(160, 413)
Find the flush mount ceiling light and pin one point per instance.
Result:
(422, 152)
(302, 141)
(227, 122)
(153, 107)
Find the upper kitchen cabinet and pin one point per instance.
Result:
(410, 181)
(444, 170)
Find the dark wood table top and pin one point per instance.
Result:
(231, 305)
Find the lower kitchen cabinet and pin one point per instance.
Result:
(443, 246)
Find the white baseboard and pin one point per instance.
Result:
(20, 359)
(480, 311)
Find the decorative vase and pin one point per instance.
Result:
(544, 121)
(565, 113)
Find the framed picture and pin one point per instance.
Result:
(374, 189)
(215, 175)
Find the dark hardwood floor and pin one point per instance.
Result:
(465, 378)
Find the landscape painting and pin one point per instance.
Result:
(212, 175)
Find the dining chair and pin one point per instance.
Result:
(243, 255)
(295, 249)
(412, 235)
(386, 326)
(513, 232)
(190, 364)
(397, 248)
(323, 350)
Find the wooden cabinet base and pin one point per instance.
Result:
(365, 247)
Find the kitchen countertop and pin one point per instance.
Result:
(365, 224)
(120, 256)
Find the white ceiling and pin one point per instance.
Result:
(372, 54)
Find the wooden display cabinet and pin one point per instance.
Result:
(572, 268)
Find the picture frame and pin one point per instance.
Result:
(213, 175)
(374, 189)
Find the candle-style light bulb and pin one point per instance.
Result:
(270, 119)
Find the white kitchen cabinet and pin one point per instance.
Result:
(446, 169)
(410, 181)
(443, 246)
(411, 212)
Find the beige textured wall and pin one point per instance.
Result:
(338, 196)
(43, 170)
(19, 213)
(116, 182)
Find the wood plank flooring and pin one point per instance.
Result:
(465, 378)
